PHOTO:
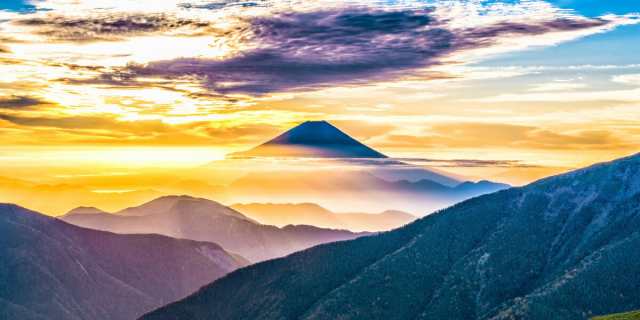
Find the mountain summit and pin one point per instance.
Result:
(312, 139)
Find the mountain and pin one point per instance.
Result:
(354, 191)
(86, 210)
(53, 270)
(282, 214)
(205, 220)
(169, 205)
(316, 162)
(315, 139)
(565, 247)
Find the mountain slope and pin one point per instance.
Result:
(52, 270)
(312, 214)
(565, 247)
(312, 139)
(205, 220)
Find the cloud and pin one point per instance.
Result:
(628, 79)
(19, 102)
(557, 86)
(631, 95)
(302, 50)
(95, 129)
(310, 50)
(215, 5)
(468, 163)
(60, 122)
(108, 26)
(497, 135)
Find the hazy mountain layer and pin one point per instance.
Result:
(52, 270)
(342, 190)
(206, 220)
(312, 214)
(566, 247)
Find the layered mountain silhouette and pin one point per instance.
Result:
(205, 220)
(315, 215)
(336, 171)
(356, 190)
(314, 139)
(565, 247)
(50, 269)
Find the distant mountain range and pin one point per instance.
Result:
(341, 184)
(50, 269)
(338, 172)
(205, 220)
(315, 215)
(565, 247)
(322, 140)
(356, 190)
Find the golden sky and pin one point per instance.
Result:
(107, 86)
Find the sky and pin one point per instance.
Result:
(103, 86)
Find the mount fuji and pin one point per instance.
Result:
(317, 162)
(313, 139)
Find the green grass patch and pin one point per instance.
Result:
(635, 315)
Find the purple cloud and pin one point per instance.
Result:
(312, 50)
(106, 27)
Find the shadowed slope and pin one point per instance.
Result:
(565, 247)
(50, 269)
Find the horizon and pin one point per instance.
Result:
(127, 87)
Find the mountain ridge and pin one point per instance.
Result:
(51, 269)
(202, 219)
(282, 214)
(561, 248)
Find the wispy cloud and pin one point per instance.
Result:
(108, 26)
(555, 86)
(629, 79)
(499, 135)
(468, 163)
(19, 102)
(631, 95)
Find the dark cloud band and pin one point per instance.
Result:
(19, 102)
(106, 27)
(296, 51)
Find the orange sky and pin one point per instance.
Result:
(80, 95)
